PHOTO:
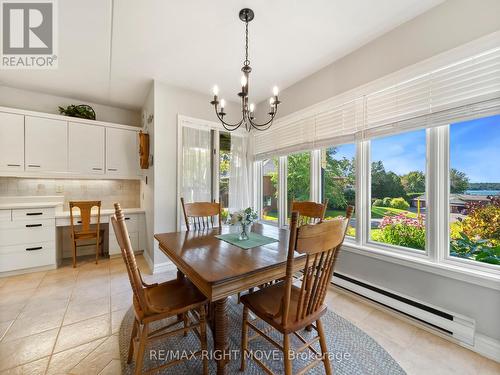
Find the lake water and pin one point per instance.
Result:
(483, 192)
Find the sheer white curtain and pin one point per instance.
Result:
(239, 181)
(196, 182)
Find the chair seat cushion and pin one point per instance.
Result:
(266, 304)
(175, 296)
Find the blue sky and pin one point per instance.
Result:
(474, 149)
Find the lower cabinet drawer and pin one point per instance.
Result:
(131, 221)
(17, 233)
(114, 248)
(21, 214)
(18, 257)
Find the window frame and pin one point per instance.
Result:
(445, 256)
(436, 257)
(425, 253)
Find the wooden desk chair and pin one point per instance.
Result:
(153, 302)
(289, 308)
(86, 232)
(201, 215)
(309, 212)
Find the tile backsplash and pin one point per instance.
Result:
(126, 192)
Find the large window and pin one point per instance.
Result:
(474, 199)
(399, 176)
(338, 180)
(298, 179)
(398, 199)
(270, 190)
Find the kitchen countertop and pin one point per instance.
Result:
(14, 205)
(9, 203)
(104, 212)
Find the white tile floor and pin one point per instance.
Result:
(66, 321)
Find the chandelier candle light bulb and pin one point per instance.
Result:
(247, 119)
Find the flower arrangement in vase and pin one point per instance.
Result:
(245, 218)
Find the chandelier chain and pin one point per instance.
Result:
(247, 62)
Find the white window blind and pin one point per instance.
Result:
(462, 90)
(284, 137)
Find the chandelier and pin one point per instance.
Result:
(247, 110)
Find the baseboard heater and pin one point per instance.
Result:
(458, 326)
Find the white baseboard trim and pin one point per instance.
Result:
(28, 270)
(164, 267)
(149, 261)
(486, 346)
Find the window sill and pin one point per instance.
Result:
(469, 275)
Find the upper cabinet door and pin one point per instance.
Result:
(86, 148)
(11, 142)
(46, 144)
(122, 157)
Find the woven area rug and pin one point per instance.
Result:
(352, 351)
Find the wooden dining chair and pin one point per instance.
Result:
(289, 308)
(86, 232)
(201, 215)
(309, 212)
(177, 298)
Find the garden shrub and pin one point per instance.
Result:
(378, 203)
(404, 231)
(387, 202)
(456, 230)
(399, 203)
(479, 250)
(483, 221)
(351, 231)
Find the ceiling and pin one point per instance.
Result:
(109, 51)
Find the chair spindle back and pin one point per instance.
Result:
(309, 212)
(85, 208)
(201, 215)
(320, 242)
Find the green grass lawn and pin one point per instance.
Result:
(380, 212)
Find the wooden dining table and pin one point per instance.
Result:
(220, 269)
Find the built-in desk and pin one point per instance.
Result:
(135, 224)
(32, 232)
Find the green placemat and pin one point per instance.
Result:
(254, 240)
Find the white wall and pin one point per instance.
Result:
(170, 101)
(444, 27)
(36, 101)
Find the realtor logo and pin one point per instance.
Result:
(28, 34)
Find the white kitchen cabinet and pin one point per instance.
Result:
(46, 142)
(86, 148)
(135, 229)
(27, 239)
(11, 142)
(122, 156)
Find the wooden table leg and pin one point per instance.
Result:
(180, 275)
(220, 333)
